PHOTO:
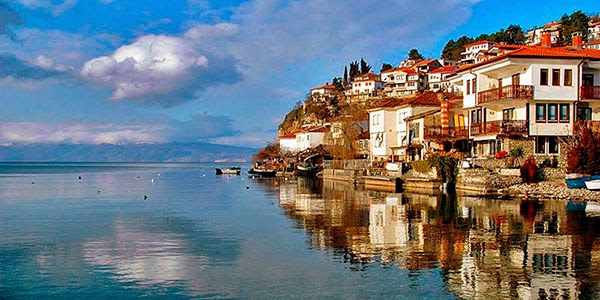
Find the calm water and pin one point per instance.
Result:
(198, 235)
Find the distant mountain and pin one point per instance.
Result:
(168, 152)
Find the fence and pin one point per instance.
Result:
(346, 164)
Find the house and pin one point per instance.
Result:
(595, 44)
(535, 35)
(529, 97)
(326, 89)
(427, 65)
(366, 85)
(390, 134)
(594, 30)
(311, 137)
(475, 52)
(437, 79)
(401, 82)
(349, 129)
(288, 143)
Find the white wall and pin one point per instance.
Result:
(288, 144)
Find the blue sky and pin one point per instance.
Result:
(223, 71)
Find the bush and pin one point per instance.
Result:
(421, 166)
(446, 164)
(529, 171)
(501, 155)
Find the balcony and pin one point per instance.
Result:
(437, 133)
(505, 93)
(590, 92)
(500, 127)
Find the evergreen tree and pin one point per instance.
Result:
(345, 83)
(447, 51)
(385, 67)
(414, 54)
(337, 82)
(354, 71)
(364, 67)
(576, 22)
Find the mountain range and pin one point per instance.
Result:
(165, 152)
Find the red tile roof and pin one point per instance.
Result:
(446, 69)
(595, 42)
(327, 87)
(477, 43)
(427, 98)
(287, 136)
(402, 69)
(366, 77)
(423, 62)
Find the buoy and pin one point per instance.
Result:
(79, 177)
(145, 197)
(33, 182)
(98, 191)
(247, 187)
(152, 180)
(158, 174)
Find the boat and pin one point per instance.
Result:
(229, 171)
(306, 170)
(259, 172)
(578, 181)
(593, 184)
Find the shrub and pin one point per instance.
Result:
(446, 164)
(516, 154)
(529, 171)
(584, 154)
(421, 166)
(501, 154)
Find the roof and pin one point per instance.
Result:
(326, 86)
(477, 43)
(423, 62)
(366, 77)
(594, 42)
(288, 136)
(423, 114)
(406, 70)
(446, 69)
(427, 98)
(540, 52)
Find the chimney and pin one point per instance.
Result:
(577, 40)
(546, 40)
(326, 82)
(445, 113)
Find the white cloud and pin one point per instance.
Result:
(160, 69)
(55, 7)
(30, 132)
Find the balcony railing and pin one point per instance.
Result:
(505, 93)
(499, 127)
(590, 92)
(437, 132)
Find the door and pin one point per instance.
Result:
(588, 79)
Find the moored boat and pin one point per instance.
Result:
(593, 184)
(229, 171)
(578, 181)
(258, 172)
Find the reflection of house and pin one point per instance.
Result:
(388, 225)
(529, 96)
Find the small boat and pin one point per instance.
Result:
(257, 172)
(593, 184)
(577, 181)
(229, 171)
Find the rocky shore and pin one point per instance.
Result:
(549, 190)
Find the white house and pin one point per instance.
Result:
(535, 92)
(311, 137)
(437, 79)
(401, 82)
(323, 90)
(288, 143)
(366, 85)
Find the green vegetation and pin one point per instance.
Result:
(575, 22)
(513, 34)
(414, 54)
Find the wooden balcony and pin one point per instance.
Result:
(500, 127)
(437, 133)
(590, 92)
(505, 93)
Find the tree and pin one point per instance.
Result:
(515, 35)
(337, 82)
(354, 71)
(414, 54)
(385, 67)
(345, 83)
(576, 22)
(364, 67)
(447, 51)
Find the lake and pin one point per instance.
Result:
(178, 231)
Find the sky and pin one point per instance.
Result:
(217, 71)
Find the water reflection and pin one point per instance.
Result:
(485, 248)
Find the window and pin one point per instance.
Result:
(469, 87)
(568, 77)
(563, 112)
(376, 119)
(552, 145)
(508, 114)
(555, 77)
(474, 85)
(540, 112)
(584, 113)
(552, 113)
(540, 145)
(544, 77)
(549, 143)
